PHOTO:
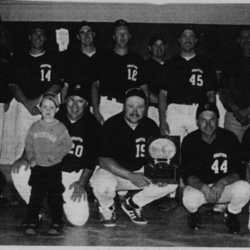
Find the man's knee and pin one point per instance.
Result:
(103, 182)
(241, 190)
(192, 198)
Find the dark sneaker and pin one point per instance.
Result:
(232, 222)
(107, 216)
(133, 213)
(41, 214)
(194, 220)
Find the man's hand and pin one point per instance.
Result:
(139, 179)
(6, 107)
(18, 163)
(164, 127)
(241, 114)
(99, 116)
(78, 192)
(216, 192)
(206, 191)
(33, 110)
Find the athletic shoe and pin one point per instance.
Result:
(133, 213)
(232, 222)
(219, 208)
(194, 220)
(107, 215)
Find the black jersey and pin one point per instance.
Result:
(211, 162)
(79, 68)
(85, 135)
(120, 73)
(188, 81)
(125, 145)
(153, 69)
(236, 78)
(5, 62)
(36, 74)
(245, 145)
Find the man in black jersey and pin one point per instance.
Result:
(122, 158)
(212, 169)
(186, 80)
(82, 64)
(80, 162)
(235, 87)
(34, 73)
(121, 70)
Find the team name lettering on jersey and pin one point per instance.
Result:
(74, 138)
(220, 165)
(45, 135)
(140, 147)
(132, 72)
(196, 78)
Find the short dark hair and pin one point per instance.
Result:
(188, 27)
(121, 23)
(154, 38)
(83, 23)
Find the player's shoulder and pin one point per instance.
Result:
(226, 133)
(90, 120)
(192, 136)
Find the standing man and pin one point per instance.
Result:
(157, 48)
(187, 79)
(213, 170)
(235, 87)
(34, 74)
(122, 159)
(78, 164)
(82, 65)
(121, 71)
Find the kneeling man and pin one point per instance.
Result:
(213, 170)
(122, 157)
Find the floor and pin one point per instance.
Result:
(165, 229)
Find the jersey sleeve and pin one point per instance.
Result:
(245, 146)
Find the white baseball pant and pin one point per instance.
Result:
(105, 184)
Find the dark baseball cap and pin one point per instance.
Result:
(135, 92)
(36, 26)
(188, 27)
(82, 24)
(78, 90)
(207, 107)
(121, 23)
(154, 38)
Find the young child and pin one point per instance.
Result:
(47, 142)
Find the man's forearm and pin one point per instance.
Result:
(162, 106)
(18, 93)
(211, 96)
(227, 180)
(112, 166)
(85, 176)
(95, 95)
(195, 182)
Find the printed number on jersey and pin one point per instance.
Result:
(218, 167)
(76, 150)
(46, 72)
(140, 150)
(196, 80)
(132, 72)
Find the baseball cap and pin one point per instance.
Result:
(40, 26)
(121, 23)
(154, 38)
(207, 107)
(78, 90)
(82, 24)
(188, 27)
(135, 92)
(51, 97)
